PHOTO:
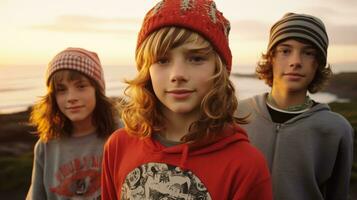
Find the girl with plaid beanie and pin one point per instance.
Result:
(73, 121)
(181, 140)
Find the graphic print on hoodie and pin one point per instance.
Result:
(226, 167)
(162, 181)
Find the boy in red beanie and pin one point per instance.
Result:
(181, 139)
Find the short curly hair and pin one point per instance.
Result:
(264, 69)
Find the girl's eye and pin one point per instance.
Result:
(60, 89)
(81, 86)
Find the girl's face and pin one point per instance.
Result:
(182, 77)
(75, 98)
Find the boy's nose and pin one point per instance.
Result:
(178, 71)
(296, 59)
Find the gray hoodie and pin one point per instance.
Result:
(310, 156)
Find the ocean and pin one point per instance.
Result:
(21, 86)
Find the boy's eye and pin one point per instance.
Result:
(162, 61)
(284, 51)
(310, 52)
(197, 59)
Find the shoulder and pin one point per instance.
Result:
(332, 123)
(247, 101)
(39, 146)
(39, 150)
(120, 137)
(43, 145)
(245, 153)
(338, 119)
(333, 120)
(245, 107)
(250, 155)
(249, 105)
(252, 163)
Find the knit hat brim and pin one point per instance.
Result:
(199, 16)
(301, 26)
(78, 59)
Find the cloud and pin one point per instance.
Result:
(342, 2)
(250, 29)
(342, 34)
(246, 29)
(259, 31)
(88, 24)
(335, 12)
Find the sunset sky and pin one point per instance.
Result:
(32, 31)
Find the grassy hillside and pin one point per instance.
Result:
(16, 140)
(344, 85)
(349, 111)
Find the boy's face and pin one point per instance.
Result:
(75, 98)
(294, 66)
(182, 77)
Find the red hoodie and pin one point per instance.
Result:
(227, 168)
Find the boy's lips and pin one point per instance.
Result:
(293, 74)
(180, 93)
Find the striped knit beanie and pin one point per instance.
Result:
(199, 16)
(302, 26)
(81, 60)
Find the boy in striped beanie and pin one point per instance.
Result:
(308, 147)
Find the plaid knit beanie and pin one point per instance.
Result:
(302, 26)
(81, 60)
(199, 16)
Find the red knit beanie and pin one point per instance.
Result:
(200, 16)
(81, 60)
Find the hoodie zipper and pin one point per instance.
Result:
(277, 129)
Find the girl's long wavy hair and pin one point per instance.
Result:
(51, 123)
(264, 69)
(141, 114)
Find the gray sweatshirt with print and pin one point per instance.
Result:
(67, 168)
(309, 156)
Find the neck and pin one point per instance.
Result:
(177, 125)
(284, 100)
(82, 128)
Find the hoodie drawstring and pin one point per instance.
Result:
(184, 157)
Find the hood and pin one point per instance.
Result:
(259, 104)
(230, 135)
